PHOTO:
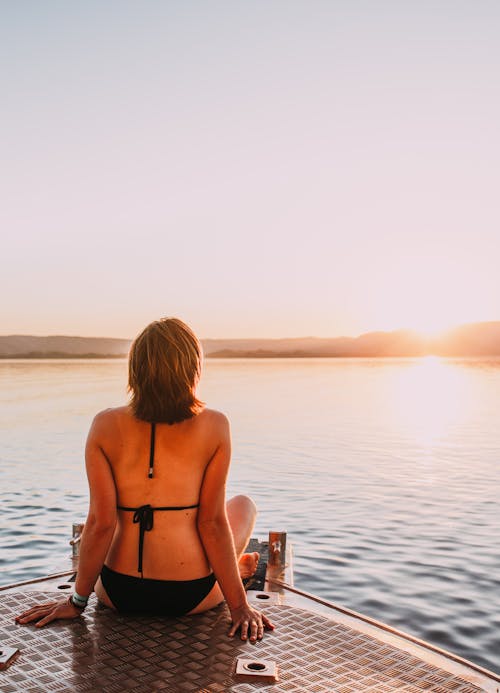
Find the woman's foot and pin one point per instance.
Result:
(248, 564)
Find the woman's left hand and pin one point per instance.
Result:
(45, 613)
(250, 622)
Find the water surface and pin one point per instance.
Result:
(384, 473)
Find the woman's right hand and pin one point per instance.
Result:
(250, 622)
(50, 611)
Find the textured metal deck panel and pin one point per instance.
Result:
(104, 651)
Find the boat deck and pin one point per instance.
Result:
(317, 647)
(104, 651)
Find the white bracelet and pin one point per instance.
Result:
(78, 600)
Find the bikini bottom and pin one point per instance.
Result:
(136, 595)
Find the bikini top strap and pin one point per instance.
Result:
(152, 450)
(163, 507)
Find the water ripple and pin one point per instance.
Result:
(385, 475)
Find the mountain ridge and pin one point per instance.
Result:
(471, 339)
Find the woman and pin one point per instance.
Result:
(159, 537)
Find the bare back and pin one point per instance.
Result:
(173, 549)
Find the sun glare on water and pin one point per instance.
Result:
(428, 400)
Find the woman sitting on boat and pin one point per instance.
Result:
(160, 537)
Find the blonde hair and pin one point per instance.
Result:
(163, 371)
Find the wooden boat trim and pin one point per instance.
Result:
(34, 581)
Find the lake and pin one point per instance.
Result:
(384, 473)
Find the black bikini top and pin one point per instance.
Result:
(145, 513)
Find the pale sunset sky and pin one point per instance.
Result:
(261, 168)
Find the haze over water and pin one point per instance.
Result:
(384, 473)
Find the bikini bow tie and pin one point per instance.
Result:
(144, 516)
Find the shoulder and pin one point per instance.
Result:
(108, 419)
(214, 418)
(107, 415)
(214, 425)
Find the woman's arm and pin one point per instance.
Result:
(101, 520)
(217, 538)
(98, 531)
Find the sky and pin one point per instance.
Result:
(259, 169)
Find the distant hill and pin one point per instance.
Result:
(28, 346)
(397, 343)
(477, 339)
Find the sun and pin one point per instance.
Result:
(429, 303)
(431, 329)
(427, 321)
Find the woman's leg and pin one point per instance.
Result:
(241, 513)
